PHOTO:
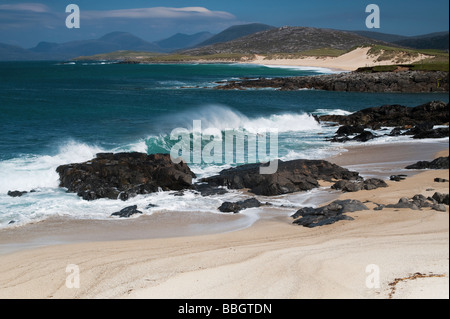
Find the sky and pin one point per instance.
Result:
(26, 23)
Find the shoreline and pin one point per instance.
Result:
(369, 160)
(401, 242)
(347, 62)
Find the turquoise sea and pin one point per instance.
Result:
(54, 113)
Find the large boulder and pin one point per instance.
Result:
(354, 186)
(292, 176)
(441, 198)
(329, 214)
(124, 175)
(229, 207)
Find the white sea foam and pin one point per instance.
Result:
(32, 171)
(225, 118)
(331, 112)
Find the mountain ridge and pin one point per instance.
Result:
(286, 40)
(235, 32)
(263, 41)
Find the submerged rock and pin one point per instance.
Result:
(124, 175)
(127, 212)
(17, 193)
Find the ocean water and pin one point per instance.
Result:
(58, 113)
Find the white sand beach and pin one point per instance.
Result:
(347, 62)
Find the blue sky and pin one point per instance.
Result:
(28, 22)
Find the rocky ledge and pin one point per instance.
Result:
(400, 116)
(124, 175)
(417, 122)
(292, 176)
(404, 82)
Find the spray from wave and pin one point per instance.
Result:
(225, 118)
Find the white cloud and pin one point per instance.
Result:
(158, 13)
(32, 7)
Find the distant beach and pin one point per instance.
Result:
(350, 61)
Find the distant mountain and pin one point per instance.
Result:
(16, 53)
(181, 41)
(110, 42)
(236, 32)
(287, 40)
(438, 40)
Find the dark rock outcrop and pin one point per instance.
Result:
(397, 131)
(405, 82)
(355, 186)
(329, 214)
(420, 128)
(208, 190)
(438, 163)
(404, 202)
(124, 175)
(342, 136)
(432, 113)
(127, 212)
(364, 137)
(420, 201)
(292, 176)
(346, 130)
(441, 198)
(440, 180)
(235, 208)
(398, 178)
(433, 133)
